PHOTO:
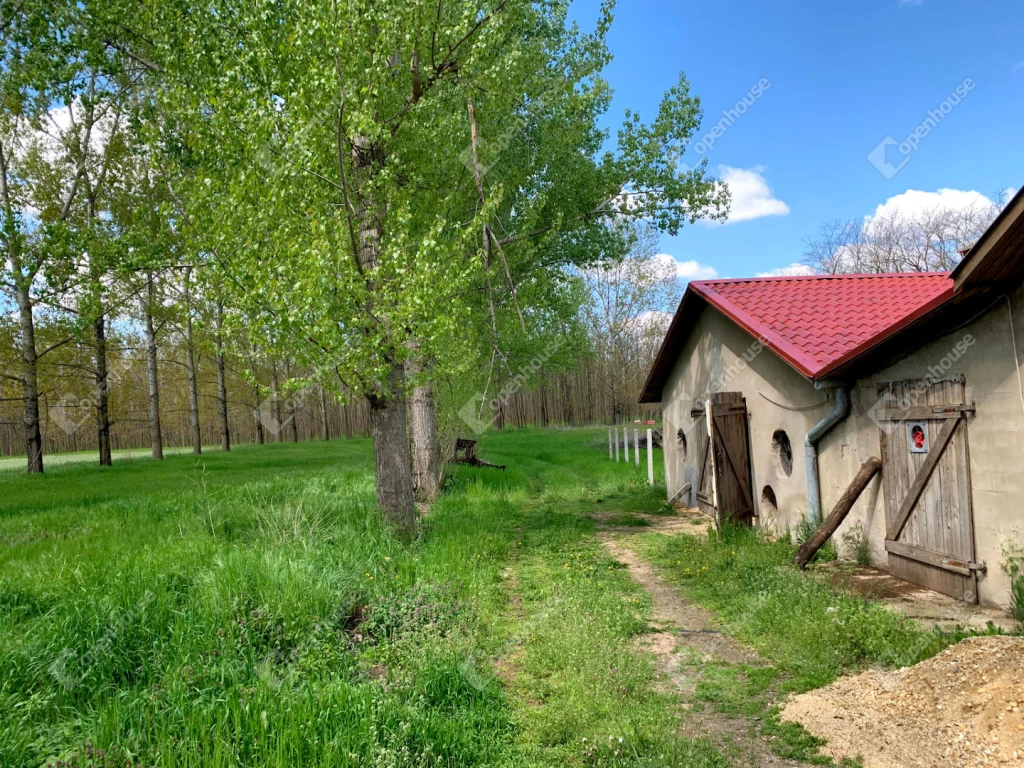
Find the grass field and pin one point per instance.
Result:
(250, 609)
(17, 463)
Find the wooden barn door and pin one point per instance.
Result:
(927, 486)
(724, 487)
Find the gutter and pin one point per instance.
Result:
(840, 409)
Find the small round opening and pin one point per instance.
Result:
(782, 454)
(769, 504)
(681, 441)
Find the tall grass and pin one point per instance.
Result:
(251, 609)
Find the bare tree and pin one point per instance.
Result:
(627, 315)
(931, 240)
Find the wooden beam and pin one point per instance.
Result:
(921, 480)
(842, 508)
(926, 412)
(963, 567)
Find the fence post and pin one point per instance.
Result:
(609, 442)
(636, 446)
(650, 458)
(625, 443)
(616, 445)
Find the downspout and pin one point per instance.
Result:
(840, 408)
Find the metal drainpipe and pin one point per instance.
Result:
(840, 408)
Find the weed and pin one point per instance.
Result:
(1013, 566)
(804, 530)
(856, 542)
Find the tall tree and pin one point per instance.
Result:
(57, 94)
(333, 171)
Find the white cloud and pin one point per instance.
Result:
(752, 198)
(652, 322)
(687, 270)
(915, 204)
(796, 268)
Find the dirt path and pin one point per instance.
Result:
(685, 639)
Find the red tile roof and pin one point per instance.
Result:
(817, 322)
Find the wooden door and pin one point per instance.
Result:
(725, 488)
(926, 480)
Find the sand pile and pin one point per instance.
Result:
(962, 708)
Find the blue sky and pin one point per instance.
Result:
(843, 76)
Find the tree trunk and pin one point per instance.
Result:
(391, 454)
(222, 388)
(102, 392)
(387, 401)
(842, 508)
(257, 417)
(155, 436)
(293, 424)
(423, 437)
(323, 410)
(275, 390)
(190, 365)
(30, 382)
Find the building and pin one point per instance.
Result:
(775, 391)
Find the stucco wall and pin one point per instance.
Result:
(719, 356)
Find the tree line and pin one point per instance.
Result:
(394, 206)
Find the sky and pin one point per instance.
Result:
(843, 86)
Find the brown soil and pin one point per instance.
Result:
(926, 606)
(965, 707)
(684, 521)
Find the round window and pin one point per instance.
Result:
(782, 454)
(769, 504)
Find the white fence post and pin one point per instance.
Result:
(616, 445)
(625, 443)
(636, 445)
(609, 442)
(650, 458)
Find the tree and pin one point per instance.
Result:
(931, 240)
(329, 181)
(627, 316)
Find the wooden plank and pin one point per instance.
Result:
(934, 455)
(650, 457)
(736, 497)
(925, 412)
(945, 562)
(967, 506)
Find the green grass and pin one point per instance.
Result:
(250, 609)
(808, 630)
(17, 463)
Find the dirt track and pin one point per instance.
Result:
(687, 636)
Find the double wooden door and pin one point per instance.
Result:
(926, 480)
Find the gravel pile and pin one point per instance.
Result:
(963, 708)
